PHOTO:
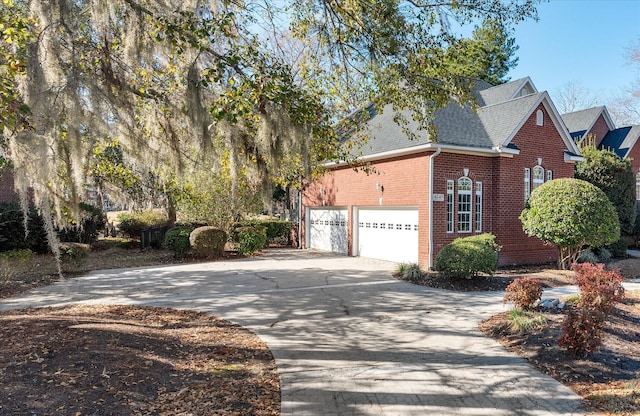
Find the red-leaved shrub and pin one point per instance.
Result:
(523, 292)
(582, 331)
(599, 288)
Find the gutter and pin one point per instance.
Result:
(494, 151)
(430, 239)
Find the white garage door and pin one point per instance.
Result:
(328, 229)
(388, 234)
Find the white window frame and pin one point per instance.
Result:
(537, 176)
(478, 207)
(539, 118)
(450, 206)
(549, 175)
(465, 204)
(527, 184)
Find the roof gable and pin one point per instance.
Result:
(507, 91)
(621, 140)
(581, 122)
(489, 129)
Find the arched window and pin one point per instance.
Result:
(465, 186)
(538, 176)
(539, 118)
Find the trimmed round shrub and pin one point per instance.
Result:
(524, 292)
(132, 223)
(466, 257)
(250, 240)
(208, 241)
(177, 240)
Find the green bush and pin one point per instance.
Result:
(410, 272)
(249, 240)
(466, 257)
(588, 256)
(74, 252)
(132, 223)
(523, 292)
(177, 240)
(12, 234)
(619, 248)
(604, 255)
(208, 241)
(92, 223)
(277, 231)
(20, 255)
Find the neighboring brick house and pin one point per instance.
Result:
(595, 127)
(423, 194)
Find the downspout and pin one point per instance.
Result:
(300, 216)
(431, 164)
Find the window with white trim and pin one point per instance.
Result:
(638, 186)
(464, 204)
(449, 206)
(538, 176)
(549, 175)
(478, 207)
(539, 118)
(527, 184)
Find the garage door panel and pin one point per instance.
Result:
(328, 230)
(389, 234)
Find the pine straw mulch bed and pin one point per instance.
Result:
(609, 379)
(110, 360)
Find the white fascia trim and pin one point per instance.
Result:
(572, 158)
(545, 99)
(494, 151)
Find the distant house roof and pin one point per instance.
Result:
(621, 140)
(507, 91)
(488, 129)
(580, 122)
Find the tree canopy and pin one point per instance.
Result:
(488, 55)
(197, 86)
(614, 175)
(570, 214)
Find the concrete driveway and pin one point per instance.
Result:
(348, 339)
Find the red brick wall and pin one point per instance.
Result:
(7, 192)
(534, 142)
(600, 129)
(406, 179)
(634, 154)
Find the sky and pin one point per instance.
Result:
(582, 41)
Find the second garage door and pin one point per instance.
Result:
(388, 234)
(327, 229)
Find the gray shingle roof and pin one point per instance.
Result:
(488, 127)
(501, 93)
(581, 121)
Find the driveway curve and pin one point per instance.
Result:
(348, 338)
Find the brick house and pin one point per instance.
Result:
(595, 127)
(423, 194)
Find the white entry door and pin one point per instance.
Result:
(388, 234)
(328, 229)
